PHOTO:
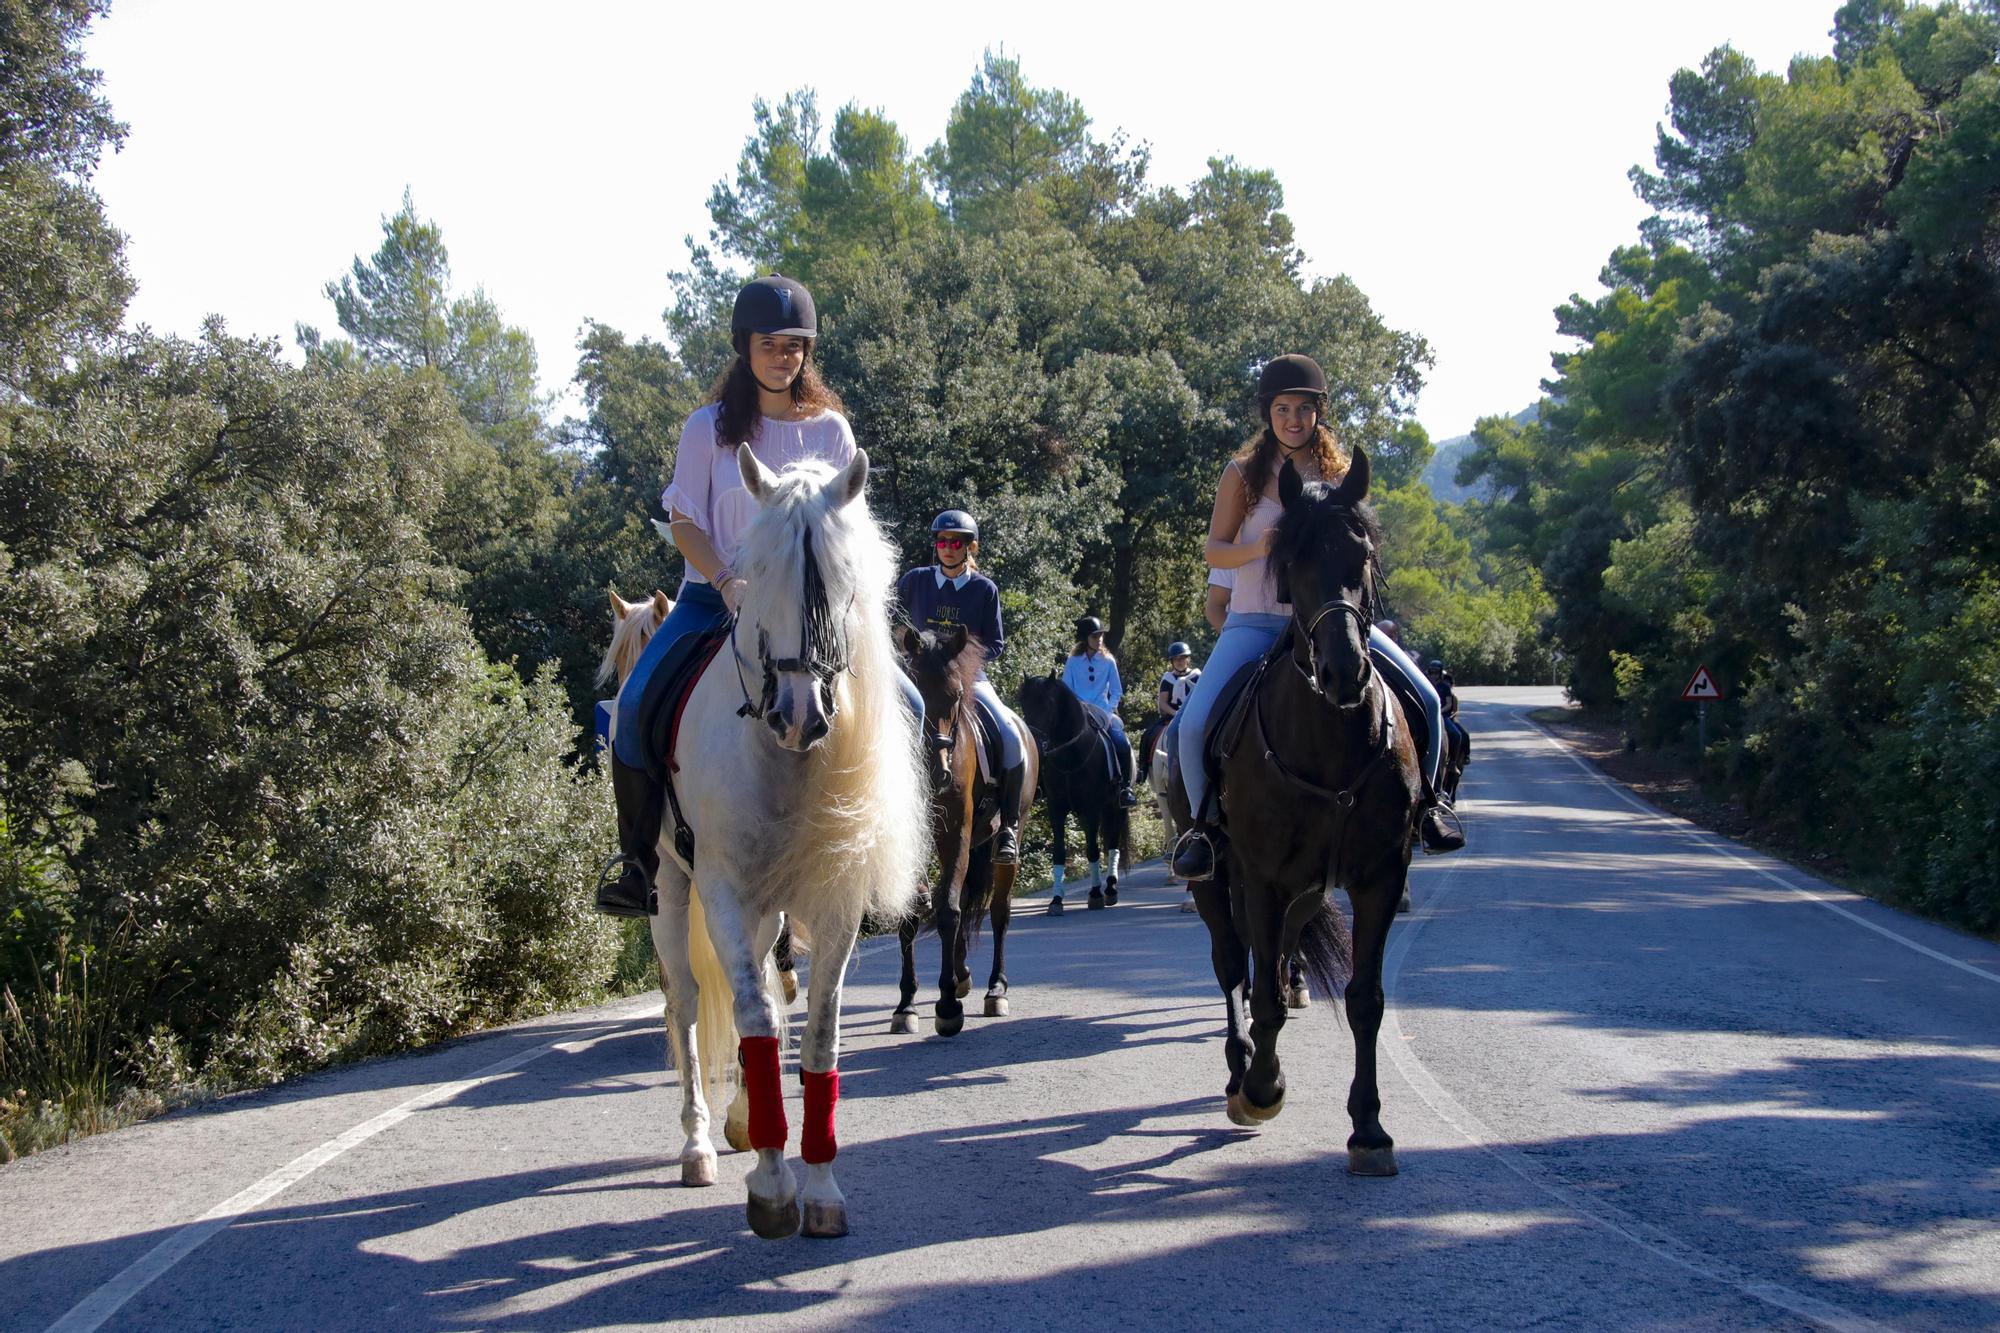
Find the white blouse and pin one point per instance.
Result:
(708, 483)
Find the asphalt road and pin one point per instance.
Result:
(1638, 1078)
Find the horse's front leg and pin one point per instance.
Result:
(1231, 961)
(743, 945)
(1059, 854)
(1370, 1150)
(1263, 1094)
(1093, 852)
(819, 1065)
(950, 1014)
(683, 1001)
(904, 1020)
(1002, 912)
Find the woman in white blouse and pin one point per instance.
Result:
(772, 402)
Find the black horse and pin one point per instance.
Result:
(1076, 778)
(965, 816)
(1321, 788)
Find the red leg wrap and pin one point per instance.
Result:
(767, 1098)
(816, 1142)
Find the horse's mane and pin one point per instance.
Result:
(855, 833)
(629, 637)
(964, 668)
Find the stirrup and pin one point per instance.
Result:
(610, 901)
(1451, 839)
(1006, 847)
(1185, 845)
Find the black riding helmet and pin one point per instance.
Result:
(776, 305)
(1087, 626)
(1292, 373)
(955, 520)
(1178, 649)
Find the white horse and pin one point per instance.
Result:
(806, 784)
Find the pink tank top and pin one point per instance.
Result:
(1254, 592)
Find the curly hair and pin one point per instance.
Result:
(1259, 457)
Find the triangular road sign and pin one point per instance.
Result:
(1702, 688)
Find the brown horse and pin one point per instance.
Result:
(965, 815)
(1320, 788)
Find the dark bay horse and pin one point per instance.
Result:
(1076, 778)
(964, 816)
(1320, 789)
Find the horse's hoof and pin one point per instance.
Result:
(1298, 997)
(1404, 905)
(1259, 1114)
(1097, 900)
(996, 1006)
(1238, 1113)
(773, 1221)
(902, 1024)
(1187, 905)
(1371, 1161)
(964, 987)
(697, 1171)
(790, 981)
(1111, 895)
(737, 1136)
(949, 1025)
(1055, 907)
(825, 1220)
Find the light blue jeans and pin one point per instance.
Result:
(1247, 636)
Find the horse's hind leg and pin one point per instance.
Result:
(683, 1001)
(819, 1070)
(1093, 852)
(1370, 1150)
(1001, 912)
(743, 945)
(904, 1020)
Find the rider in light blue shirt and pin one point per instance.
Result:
(1092, 675)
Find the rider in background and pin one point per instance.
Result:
(1292, 399)
(1175, 686)
(942, 598)
(772, 401)
(1092, 675)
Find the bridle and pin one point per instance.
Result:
(1364, 619)
(822, 652)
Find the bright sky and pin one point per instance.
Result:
(1463, 161)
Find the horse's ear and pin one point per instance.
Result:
(617, 606)
(907, 638)
(663, 604)
(1290, 485)
(757, 478)
(957, 643)
(1354, 486)
(846, 488)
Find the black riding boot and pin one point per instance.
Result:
(1007, 842)
(1128, 795)
(641, 802)
(1439, 837)
(1200, 850)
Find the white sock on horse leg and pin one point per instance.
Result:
(1058, 873)
(1113, 858)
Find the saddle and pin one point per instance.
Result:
(660, 708)
(987, 743)
(1099, 723)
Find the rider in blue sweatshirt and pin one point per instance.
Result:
(941, 598)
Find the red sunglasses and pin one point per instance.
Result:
(952, 543)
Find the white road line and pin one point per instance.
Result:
(1654, 1240)
(91, 1312)
(1702, 838)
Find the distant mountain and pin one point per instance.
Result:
(1442, 471)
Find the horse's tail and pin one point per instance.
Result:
(1326, 949)
(715, 1015)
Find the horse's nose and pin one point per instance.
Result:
(815, 728)
(776, 722)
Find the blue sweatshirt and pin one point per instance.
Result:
(941, 605)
